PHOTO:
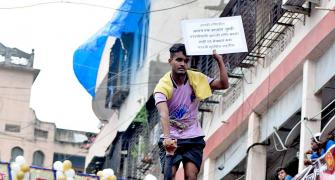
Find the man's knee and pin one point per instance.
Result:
(191, 175)
(190, 171)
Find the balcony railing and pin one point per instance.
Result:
(16, 57)
(268, 29)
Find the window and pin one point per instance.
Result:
(127, 56)
(41, 133)
(12, 128)
(38, 158)
(16, 151)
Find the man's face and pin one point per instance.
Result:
(179, 63)
(314, 146)
(281, 175)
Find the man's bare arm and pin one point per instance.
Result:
(164, 118)
(222, 82)
(169, 144)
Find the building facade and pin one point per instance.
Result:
(281, 93)
(118, 109)
(21, 132)
(271, 110)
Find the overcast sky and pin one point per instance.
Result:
(55, 30)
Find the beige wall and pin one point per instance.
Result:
(15, 89)
(15, 92)
(30, 146)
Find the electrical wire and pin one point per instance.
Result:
(23, 137)
(34, 123)
(275, 145)
(309, 130)
(331, 111)
(268, 104)
(94, 5)
(118, 74)
(110, 78)
(126, 121)
(235, 150)
(129, 68)
(90, 67)
(103, 137)
(317, 114)
(282, 161)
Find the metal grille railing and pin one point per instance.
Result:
(268, 30)
(258, 17)
(154, 130)
(142, 150)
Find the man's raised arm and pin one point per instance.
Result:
(222, 82)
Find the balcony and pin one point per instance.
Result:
(16, 57)
(118, 96)
(268, 29)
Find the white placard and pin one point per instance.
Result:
(225, 35)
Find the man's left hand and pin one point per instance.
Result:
(217, 57)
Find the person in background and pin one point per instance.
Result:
(282, 174)
(318, 148)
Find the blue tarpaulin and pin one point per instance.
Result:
(87, 57)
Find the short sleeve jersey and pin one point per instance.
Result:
(183, 108)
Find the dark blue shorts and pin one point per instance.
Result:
(187, 150)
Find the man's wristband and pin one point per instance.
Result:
(166, 137)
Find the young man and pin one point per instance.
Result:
(177, 97)
(282, 175)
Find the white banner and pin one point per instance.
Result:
(225, 35)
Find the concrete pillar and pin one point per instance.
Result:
(311, 105)
(256, 162)
(209, 166)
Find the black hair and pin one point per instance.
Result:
(279, 169)
(178, 47)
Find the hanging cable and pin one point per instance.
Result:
(284, 148)
(322, 110)
(275, 144)
(309, 129)
(94, 5)
(257, 144)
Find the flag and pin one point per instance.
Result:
(87, 57)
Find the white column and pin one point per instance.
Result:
(311, 105)
(209, 167)
(256, 162)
